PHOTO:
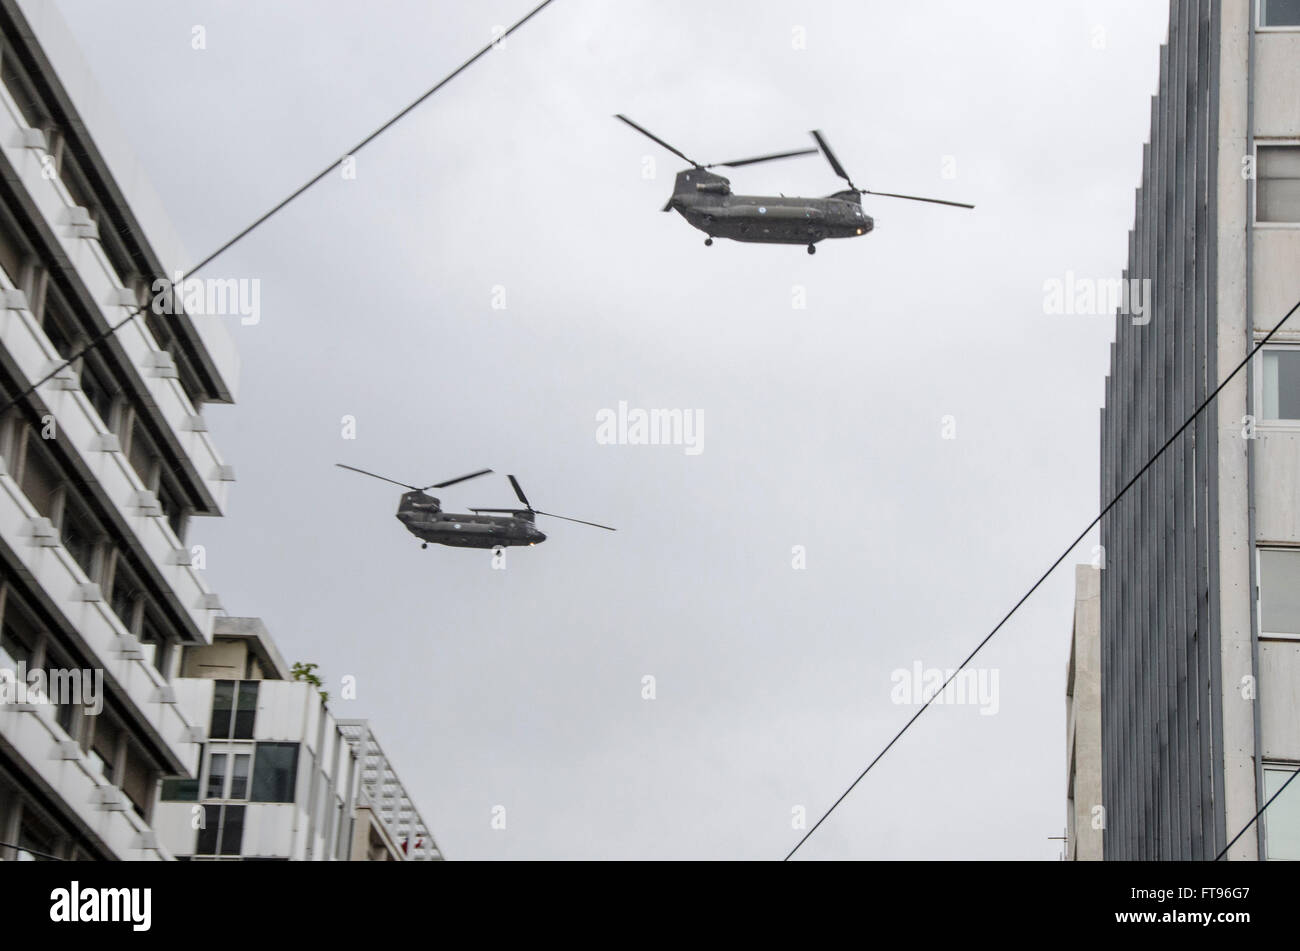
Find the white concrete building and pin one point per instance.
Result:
(280, 778)
(118, 668)
(101, 468)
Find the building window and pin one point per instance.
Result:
(101, 389)
(223, 705)
(229, 772)
(152, 637)
(126, 599)
(1279, 592)
(1277, 184)
(41, 480)
(79, 536)
(18, 636)
(180, 790)
(1282, 818)
(234, 709)
(37, 841)
(1281, 381)
(64, 683)
(138, 781)
(143, 457)
(275, 771)
(172, 507)
(239, 776)
(217, 776)
(1279, 13)
(222, 832)
(24, 96)
(103, 748)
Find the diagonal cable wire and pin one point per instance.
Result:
(281, 205)
(1037, 584)
(94, 342)
(1257, 815)
(372, 136)
(23, 848)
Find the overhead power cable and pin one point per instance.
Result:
(23, 848)
(281, 205)
(1037, 584)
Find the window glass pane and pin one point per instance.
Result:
(24, 96)
(274, 772)
(100, 393)
(239, 776)
(232, 830)
(246, 710)
(1279, 592)
(151, 634)
(18, 636)
(206, 843)
(37, 836)
(180, 790)
(104, 748)
(77, 533)
(59, 325)
(125, 595)
(40, 478)
(142, 455)
(99, 763)
(1282, 819)
(13, 250)
(65, 688)
(67, 719)
(1277, 197)
(216, 776)
(1282, 384)
(172, 506)
(138, 781)
(223, 699)
(1281, 12)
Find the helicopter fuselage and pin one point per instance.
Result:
(705, 200)
(424, 518)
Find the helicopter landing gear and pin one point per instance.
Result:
(708, 242)
(812, 249)
(425, 545)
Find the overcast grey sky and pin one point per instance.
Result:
(822, 426)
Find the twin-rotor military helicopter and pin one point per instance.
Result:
(705, 200)
(424, 518)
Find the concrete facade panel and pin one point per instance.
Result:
(1279, 699)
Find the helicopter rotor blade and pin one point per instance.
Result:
(935, 201)
(763, 158)
(578, 520)
(520, 492)
(654, 138)
(443, 485)
(374, 476)
(501, 511)
(830, 157)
